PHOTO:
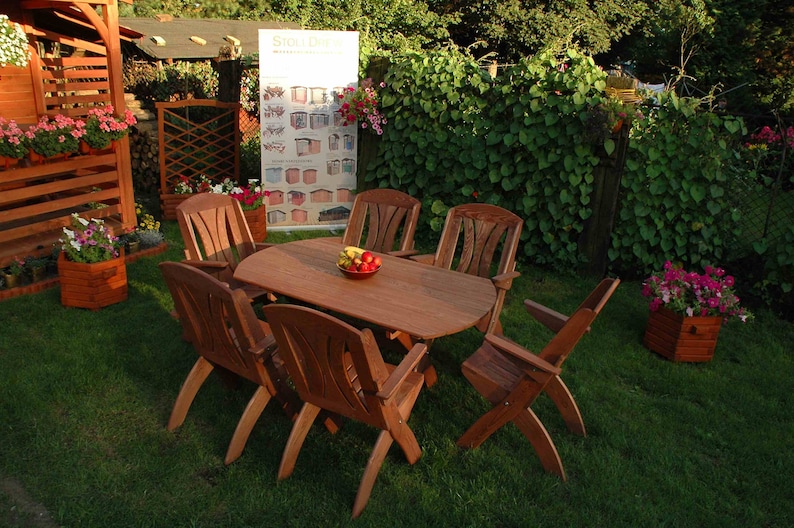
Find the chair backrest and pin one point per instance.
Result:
(561, 345)
(390, 216)
(220, 322)
(472, 235)
(332, 364)
(213, 227)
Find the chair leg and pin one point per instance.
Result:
(374, 463)
(296, 437)
(488, 424)
(253, 410)
(198, 374)
(563, 399)
(539, 437)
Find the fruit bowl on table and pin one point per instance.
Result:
(358, 275)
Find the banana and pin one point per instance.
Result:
(353, 251)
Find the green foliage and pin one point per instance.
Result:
(678, 202)
(513, 29)
(251, 159)
(456, 135)
(174, 82)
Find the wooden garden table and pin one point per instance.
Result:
(413, 299)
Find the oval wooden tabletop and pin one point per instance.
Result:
(420, 300)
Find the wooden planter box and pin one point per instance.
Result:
(257, 223)
(682, 339)
(92, 286)
(169, 203)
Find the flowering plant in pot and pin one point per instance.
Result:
(148, 232)
(250, 196)
(13, 142)
(59, 135)
(694, 295)
(186, 185)
(16, 268)
(13, 44)
(360, 105)
(102, 127)
(89, 241)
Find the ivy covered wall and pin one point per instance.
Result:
(522, 141)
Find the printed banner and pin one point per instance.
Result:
(308, 156)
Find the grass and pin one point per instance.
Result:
(84, 398)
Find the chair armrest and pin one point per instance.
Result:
(258, 246)
(207, 265)
(264, 346)
(424, 259)
(403, 253)
(520, 353)
(551, 319)
(504, 281)
(398, 375)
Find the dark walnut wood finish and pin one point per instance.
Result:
(511, 378)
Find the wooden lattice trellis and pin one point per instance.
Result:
(198, 136)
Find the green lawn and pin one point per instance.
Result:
(84, 398)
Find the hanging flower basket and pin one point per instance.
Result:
(13, 44)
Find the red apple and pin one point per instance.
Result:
(352, 267)
(376, 262)
(367, 257)
(363, 267)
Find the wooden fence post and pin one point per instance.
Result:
(596, 237)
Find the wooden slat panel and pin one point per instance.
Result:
(65, 184)
(72, 62)
(71, 112)
(16, 89)
(75, 99)
(53, 224)
(59, 169)
(68, 202)
(53, 75)
(103, 85)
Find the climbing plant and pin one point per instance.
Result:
(458, 135)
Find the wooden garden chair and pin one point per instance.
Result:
(221, 325)
(511, 378)
(474, 236)
(339, 368)
(388, 216)
(217, 238)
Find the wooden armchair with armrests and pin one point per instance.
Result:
(474, 236)
(511, 378)
(221, 325)
(390, 218)
(217, 238)
(339, 368)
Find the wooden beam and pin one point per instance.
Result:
(95, 19)
(69, 41)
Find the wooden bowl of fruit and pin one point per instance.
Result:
(357, 264)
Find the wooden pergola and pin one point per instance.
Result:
(75, 65)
